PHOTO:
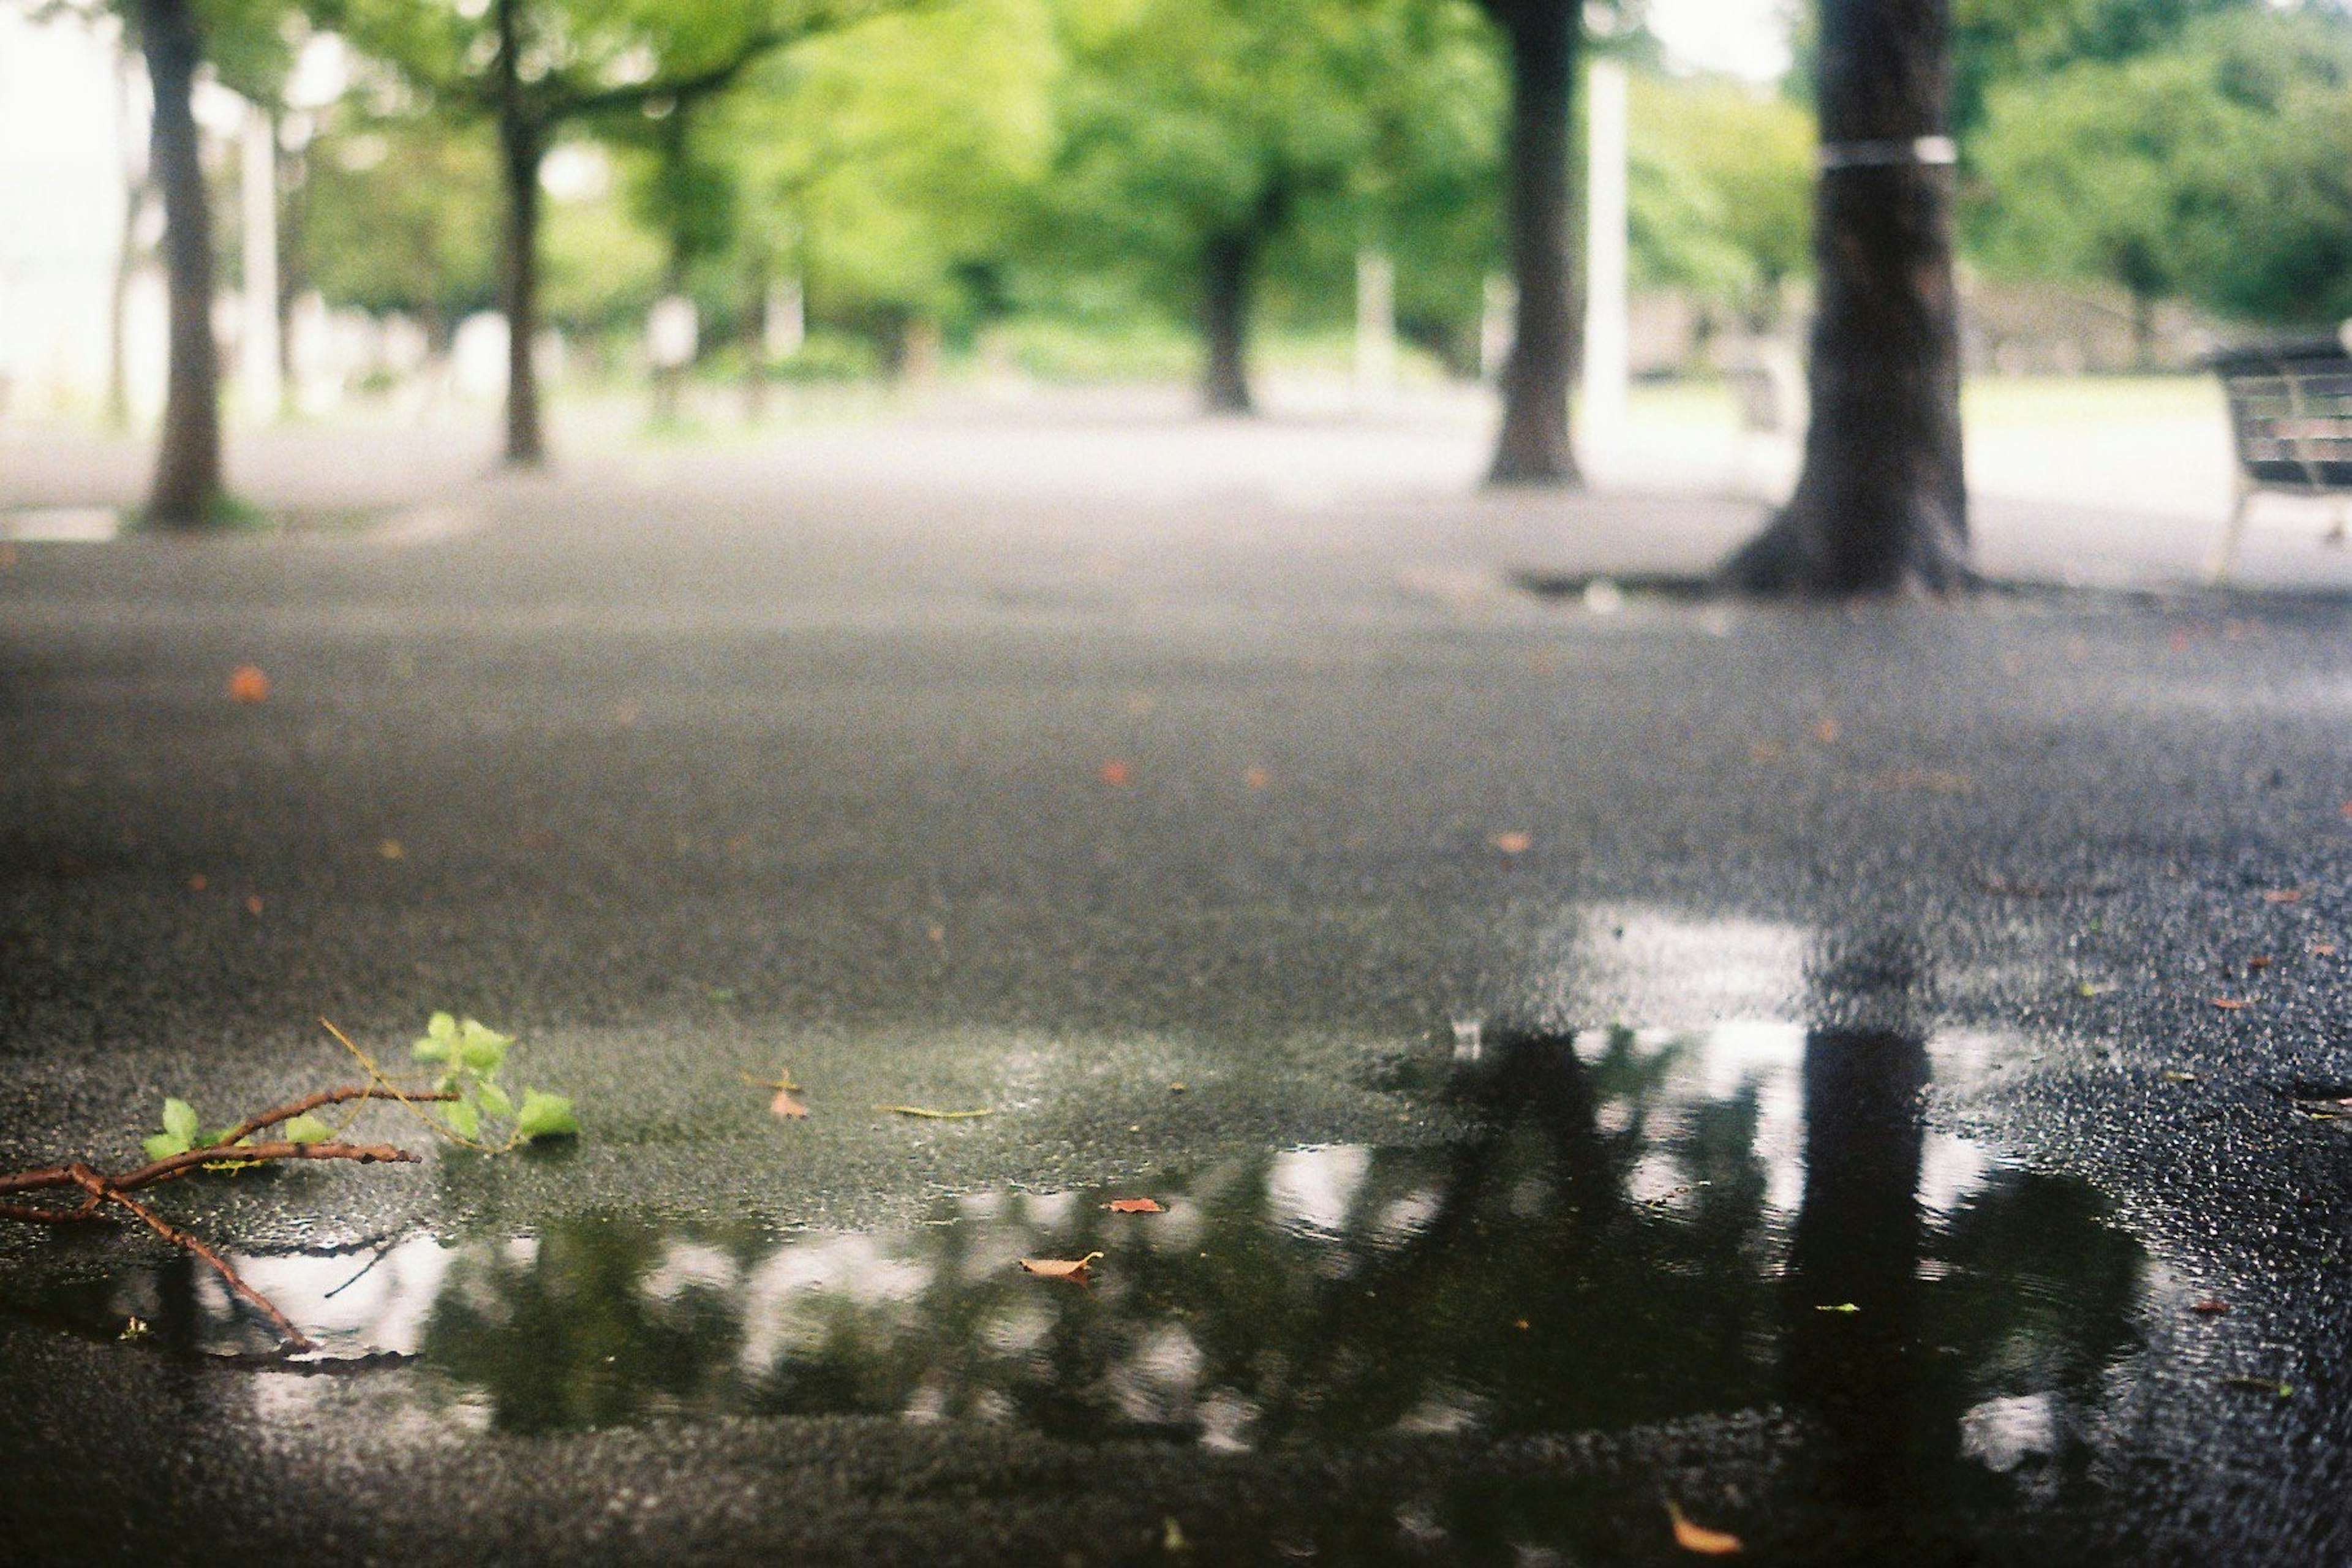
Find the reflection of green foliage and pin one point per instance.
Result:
(563, 1335)
(1511, 1280)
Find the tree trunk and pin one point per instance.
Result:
(756, 305)
(187, 485)
(1881, 505)
(117, 311)
(522, 144)
(1227, 261)
(1545, 37)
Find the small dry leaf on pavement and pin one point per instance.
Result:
(247, 684)
(1075, 1269)
(1512, 843)
(2212, 1307)
(1134, 1206)
(2282, 896)
(785, 1104)
(2229, 1004)
(1113, 773)
(1699, 1538)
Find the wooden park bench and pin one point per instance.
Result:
(2291, 417)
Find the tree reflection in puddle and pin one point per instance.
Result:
(1644, 1227)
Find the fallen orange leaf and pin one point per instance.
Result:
(1256, 778)
(1114, 774)
(2323, 949)
(1697, 1537)
(392, 849)
(1512, 843)
(2259, 961)
(247, 684)
(1826, 732)
(2229, 1004)
(253, 905)
(196, 884)
(785, 1105)
(1134, 1206)
(2212, 1308)
(2284, 896)
(1073, 1269)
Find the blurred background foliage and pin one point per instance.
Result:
(1044, 184)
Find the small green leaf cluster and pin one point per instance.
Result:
(184, 1130)
(471, 1054)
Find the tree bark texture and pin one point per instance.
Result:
(522, 144)
(1227, 262)
(1545, 39)
(1880, 505)
(187, 491)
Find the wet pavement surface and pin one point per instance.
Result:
(1759, 1061)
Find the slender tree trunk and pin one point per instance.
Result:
(669, 380)
(1545, 39)
(117, 311)
(756, 305)
(1227, 262)
(187, 485)
(2143, 331)
(1881, 505)
(522, 144)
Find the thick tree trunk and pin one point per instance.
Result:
(1545, 37)
(522, 144)
(1228, 263)
(1881, 505)
(187, 485)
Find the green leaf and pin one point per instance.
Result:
(494, 1099)
(442, 1026)
(179, 1121)
(546, 1116)
(430, 1051)
(163, 1145)
(307, 1129)
(482, 1049)
(463, 1119)
(440, 1039)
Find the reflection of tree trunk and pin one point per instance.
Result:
(1857, 1241)
(1227, 260)
(1545, 38)
(522, 144)
(1881, 504)
(187, 484)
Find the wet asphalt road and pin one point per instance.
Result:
(962, 794)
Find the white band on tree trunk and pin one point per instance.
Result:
(1929, 150)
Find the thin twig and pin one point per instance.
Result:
(408, 1099)
(97, 1186)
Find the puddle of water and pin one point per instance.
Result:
(60, 524)
(1645, 1226)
